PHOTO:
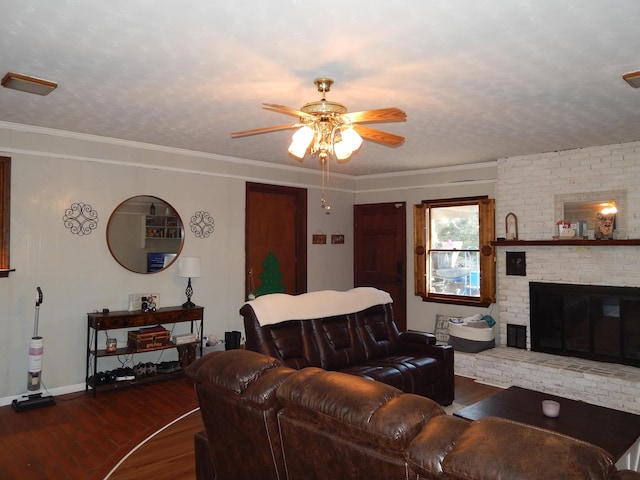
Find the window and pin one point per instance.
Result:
(454, 261)
(5, 196)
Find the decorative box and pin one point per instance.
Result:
(149, 338)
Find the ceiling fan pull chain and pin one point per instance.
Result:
(325, 183)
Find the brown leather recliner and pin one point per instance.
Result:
(237, 395)
(267, 421)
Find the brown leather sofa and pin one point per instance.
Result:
(266, 421)
(365, 343)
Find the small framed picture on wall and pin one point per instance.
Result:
(516, 263)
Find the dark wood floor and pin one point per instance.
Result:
(84, 437)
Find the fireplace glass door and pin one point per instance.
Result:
(595, 322)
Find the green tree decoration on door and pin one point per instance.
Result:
(270, 276)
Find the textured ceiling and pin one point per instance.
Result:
(479, 79)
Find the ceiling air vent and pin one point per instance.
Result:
(632, 79)
(28, 84)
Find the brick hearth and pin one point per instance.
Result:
(606, 384)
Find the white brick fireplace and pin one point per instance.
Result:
(528, 186)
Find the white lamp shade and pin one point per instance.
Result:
(189, 267)
(341, 151)
(350, 142)
(352, 139)
(301, 141)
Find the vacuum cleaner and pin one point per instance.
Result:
(34, 374)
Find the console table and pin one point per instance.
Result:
(97, 322)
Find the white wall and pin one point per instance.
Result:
(52, 170)
(527, 186)
(413, 188)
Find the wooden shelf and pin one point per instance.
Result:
(98, 322)
(566, 243)
(129, 350)
(138, 381)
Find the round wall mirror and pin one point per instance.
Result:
(145, 234)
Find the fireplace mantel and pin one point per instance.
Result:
(566, 243)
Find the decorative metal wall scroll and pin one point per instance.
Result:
(80, 218)
(202, 224)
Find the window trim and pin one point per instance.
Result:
(487, 252)
(5, 213)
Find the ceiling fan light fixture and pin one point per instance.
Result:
(341, 151)
(301, 141)
(326, 129)
(26, 83)
(350, 142)
(354, 141)
(632, 79)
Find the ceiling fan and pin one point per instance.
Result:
(326, 128)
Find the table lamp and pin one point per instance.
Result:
(189, 267)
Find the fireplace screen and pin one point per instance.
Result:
(588, 321)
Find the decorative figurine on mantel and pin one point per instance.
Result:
(511, 226)
(605, 224)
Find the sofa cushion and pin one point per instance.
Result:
(433, 443)
(390, 374)
(418, 372)
(338, 342)
(291, 342)
(379, 333)
(441, 331)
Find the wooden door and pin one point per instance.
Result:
(276, 221)
(379, 252)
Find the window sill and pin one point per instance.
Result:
(459, 300)
(4, 273)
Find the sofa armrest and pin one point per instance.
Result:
(424, 343)
(415, 336)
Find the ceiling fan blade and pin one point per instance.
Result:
(256, 131)
(285, 110)
(378, 136)
(379, 115)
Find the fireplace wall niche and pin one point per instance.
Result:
(595, 322)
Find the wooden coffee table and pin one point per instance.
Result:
(613, 430)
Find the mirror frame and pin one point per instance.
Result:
(148, 199)
(620, 197)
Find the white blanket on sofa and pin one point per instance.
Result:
(278, 307)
